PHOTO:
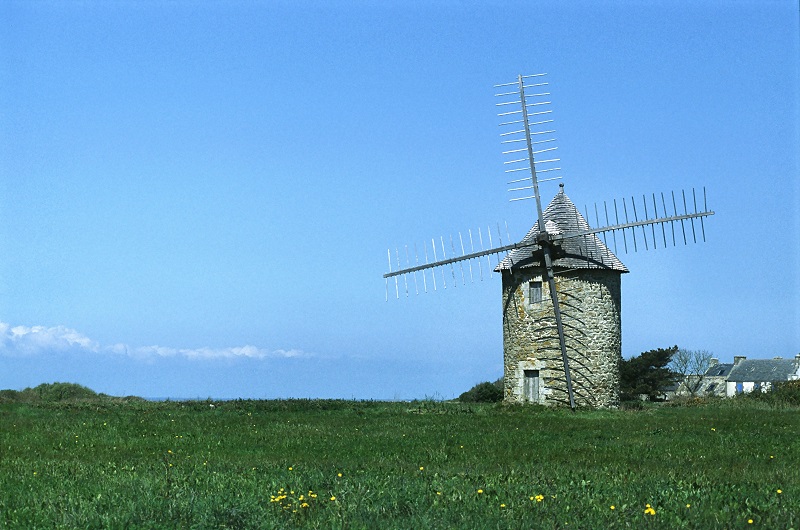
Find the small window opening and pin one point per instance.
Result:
(535, 292)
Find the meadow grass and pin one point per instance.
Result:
(103, 463)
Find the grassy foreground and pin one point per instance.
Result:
(343, 464)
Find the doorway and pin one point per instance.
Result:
(530, 386)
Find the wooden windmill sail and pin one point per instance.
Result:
(563, 252)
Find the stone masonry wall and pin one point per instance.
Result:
(590, 308)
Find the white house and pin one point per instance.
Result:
(760, 374)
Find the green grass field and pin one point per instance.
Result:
(105, 463)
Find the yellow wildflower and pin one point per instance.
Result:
(480, 491)
(779, 491)
(613, 507)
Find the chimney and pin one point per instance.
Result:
(738, 358)
(714, 361)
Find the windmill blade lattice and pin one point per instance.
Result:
(684, 221)
(529, 121)
(474, 257)
(527, 132)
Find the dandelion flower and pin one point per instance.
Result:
(649, 510)
(421, 468)
(688, 505)
(339, 475)
(502, 505)
(539, 498)
(613, 507)
(480, 491)
(749, 521)
(333, 497)
(779, 491)
(290, 468)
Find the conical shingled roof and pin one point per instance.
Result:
(581, 252)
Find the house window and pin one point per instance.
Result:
(711, 387)
(534, 292)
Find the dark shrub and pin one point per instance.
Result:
(784, 393)
(485, 392)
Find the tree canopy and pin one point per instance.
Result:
(692, 365)
(648, 373)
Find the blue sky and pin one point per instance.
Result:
(196, 198)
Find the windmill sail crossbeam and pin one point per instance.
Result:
(679, 223)
(530, 136)
(634, 224)
(465, 257)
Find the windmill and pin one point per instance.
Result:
(561, 342)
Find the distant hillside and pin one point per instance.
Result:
(55, 393)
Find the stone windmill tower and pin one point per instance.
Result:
(587, 279)
(561, 344)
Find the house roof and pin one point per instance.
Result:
(580, 252)
(719, 370)
(762, 370)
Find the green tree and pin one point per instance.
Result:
(648, 373)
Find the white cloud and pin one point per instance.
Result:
(35, 339)
(250, 352)
(24, 340)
